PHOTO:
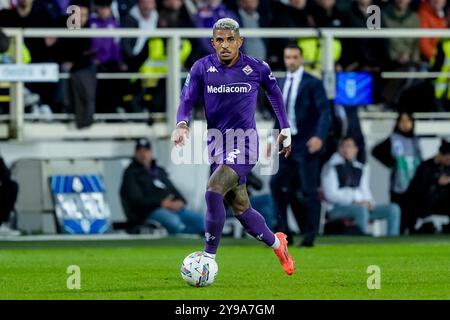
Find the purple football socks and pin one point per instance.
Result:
(214, 220)
(255, 225)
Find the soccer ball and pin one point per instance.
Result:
(199, 270)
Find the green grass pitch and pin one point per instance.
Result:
(336, 268)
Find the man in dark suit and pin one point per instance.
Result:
(309, 115)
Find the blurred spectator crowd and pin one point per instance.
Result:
(83, 94)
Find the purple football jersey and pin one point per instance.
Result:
(230, 98)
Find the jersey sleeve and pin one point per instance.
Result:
(190, 93)
(273, 91)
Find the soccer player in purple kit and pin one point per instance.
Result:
(228, 81)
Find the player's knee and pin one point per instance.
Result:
(238, 209)
(239, 206)
(217, 188)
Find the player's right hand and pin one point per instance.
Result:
(180, 134)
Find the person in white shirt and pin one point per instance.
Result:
(345, 185)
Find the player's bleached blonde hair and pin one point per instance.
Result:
(226, 24)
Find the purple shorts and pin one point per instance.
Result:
(242, 170)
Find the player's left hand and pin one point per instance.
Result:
(286, 150)
(180, 134)
(314, 144)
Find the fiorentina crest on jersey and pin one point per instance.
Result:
(247, 70)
